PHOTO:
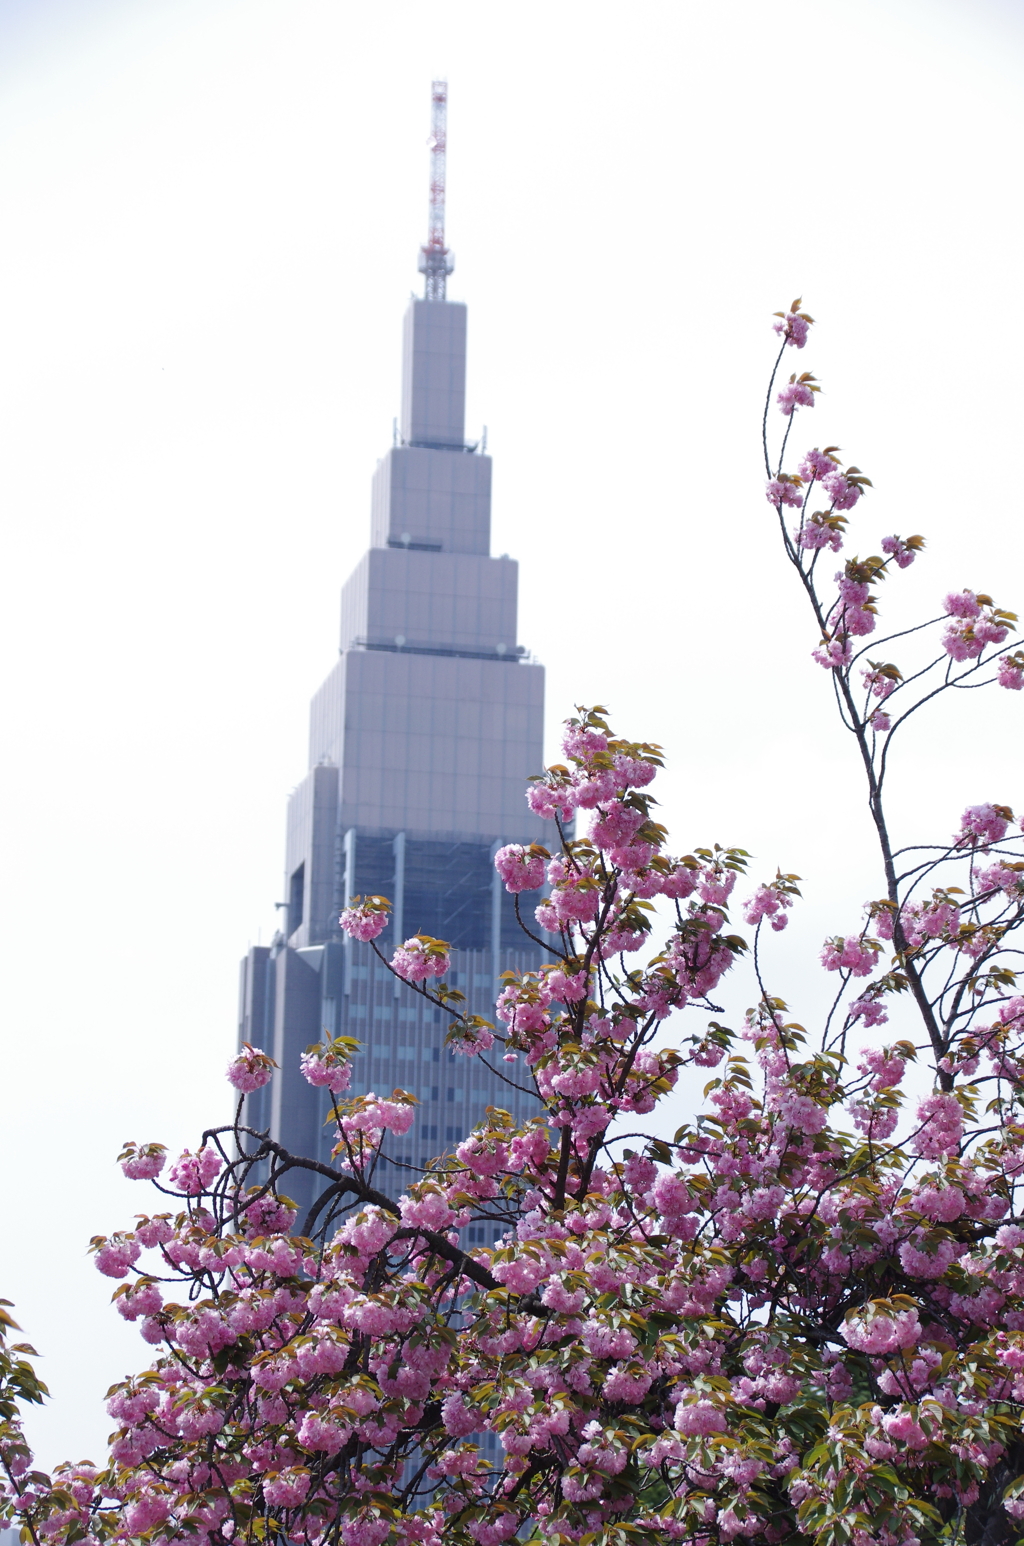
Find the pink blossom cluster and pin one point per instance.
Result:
(768, 902)
(983, 825)
(884, 1066)
(854, 954)
(882, 1329)
(834, 654)
(820, 531)
(419, 958)
(940, 1129)
(899, 551)
(522, 869)
(327, 1067)
(843, 489)
(142, 1161)
(797, 393)
(793, 327)
(974, 624)
(365, 919)
(853, 612)
(1010, 671)
(192, 1173)
(250, 1070)
(869, 1010)
(924, 921)
(881, 681)
(818, 465)
(784, 491)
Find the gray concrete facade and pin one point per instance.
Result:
(422, 739)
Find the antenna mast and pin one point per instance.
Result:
(436, 262)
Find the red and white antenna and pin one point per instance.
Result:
(436, 262)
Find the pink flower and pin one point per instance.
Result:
(784, 491)
(459, 1419)
(680, 882)
(115, 1256)
(902, 1427)
(317, 1432)
(550, 801)
(793, 328)
(142, 1162)
(897, 549)
(143, 1298)
(522, 869)
(983, 824)
(1012, 1013)
(833, 654)
(430, 1211)
(989, 631)
(845, 493)
(1010, 674)
(803, 1113)
(869, 1010)
(961, 642)
(768, 903)
(928, 1263)
(694, 1419)
(942, 1204)
(879, 1122)
(998, 877)
(582, 744)
(962, 603)
(817, 533)
(636, 772)
(145, 1511)
(251, 1069)
(421, 957)
(590, 788)
(568, 989)
(626, 1382)
(879, 682)
(325, 1069)
(267, 1216)
(524, 1011)
(156, 1231)
(795, 394)
(817, 464)
(575, 901)
(880, 1331)
(880, 722)
(618, 824)
(395, 1116)
(364, 920)
(192, 1173)
(851, 955)
(883, 1064)
(716, 885)
(286, 1489)
(942, 1125)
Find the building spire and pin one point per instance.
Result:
(436, 262)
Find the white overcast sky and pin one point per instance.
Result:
(211, 211)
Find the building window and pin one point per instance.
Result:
(296, 898)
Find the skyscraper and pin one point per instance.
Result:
(422, 738)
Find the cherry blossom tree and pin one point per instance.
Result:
(800, 1317)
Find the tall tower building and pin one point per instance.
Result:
(422, 738)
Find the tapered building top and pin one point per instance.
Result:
(422, 740)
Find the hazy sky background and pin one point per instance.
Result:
(211, 211)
